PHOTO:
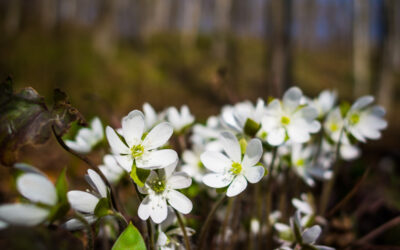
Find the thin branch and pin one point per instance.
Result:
(376, 232)
(182, 226)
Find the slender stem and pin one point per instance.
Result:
(226, 220)
(204, 229)
(182, 226)
(91, 164)
(328, 186)
(122, 223)
(89, 233)
(376, 232)
(268, 200)
(148, 223)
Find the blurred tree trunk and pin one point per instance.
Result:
(12, 17)
(391, 54)
(222, 21)
(361, 48)
(104, 32)
(190, 20)
(280, 13)
(48, 13)
(162, 10)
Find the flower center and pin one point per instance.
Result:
(285, 120)
(354, 118)
(300, 162)
(334, 127)
(137, 151)
(158, 185)
(236, 168)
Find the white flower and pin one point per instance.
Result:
(86, 202)
(235, 117)
(192, 163)
(161, 190)
(324, 102)
(37, 189)
(179, 120)
(111, 169)
(141, 151)
(233, 170)
(364, 121)
(288, 120)
(151, 117)
(87, 138)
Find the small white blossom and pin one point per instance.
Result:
(36, 188)
(111, 169)
(143, 152)
(181, 120)
(151, 117)
(87, 138)
(364, 121)
(232, 170)
(192, 163)
(324, 102)
(161, 190)
(286, 119)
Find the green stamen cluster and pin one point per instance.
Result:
(334, 127)
(158, 185)
(354, 118)
(285, 120)
(137, 151)
(300, 162)
(236, 168)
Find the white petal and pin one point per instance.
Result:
(97, 128)
(159, 209)
(276, 137)
(215, 161)
(133, 127)
(310, 235)
(144, 208)
(253, 153)
(280, 227)
(179, 180)
(37, 188)
(74, 224)
(309, 113)
(125, 161)
(254, 174)
(362, 102)
(115, 142)
(189, 157)
(78, 147)
(157, 159)
(237, 186)
(217, 180)
(150, 115)
(82, 201)
(231, 146)
(291, 99)
(22, 214)
(158, 136)
(302, 206)
(298, 134)
(179, 201)
(98, 182)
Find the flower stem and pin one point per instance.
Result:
(89, 233)
(328, 186)
(91, 164)
(204, 229)
(226, 219)
(268, 199)
(182, 226)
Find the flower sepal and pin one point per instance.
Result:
(139, 175)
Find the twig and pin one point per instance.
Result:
(89, 233)
(376, 232)
(203, 232)
(182, 226)
(349, 195)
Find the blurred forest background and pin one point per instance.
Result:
(110, 56)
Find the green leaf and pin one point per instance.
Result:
(102, 208)
(139, 175)
(130, 239)
(344, 108)
(62, 186)
(26, 119)
(251, 127)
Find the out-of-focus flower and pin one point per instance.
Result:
(150, 116)
(179, 121)
(324, 102)
(192, 163)
(111, 169)
(42, 196)
(287, 119)
(143, 152)
(161, 190)
(364, 121)
(233, 170)
(87, 138)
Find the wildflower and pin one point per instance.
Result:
(140, 148)
(193, 166)
(111, 169)
(179, 121)
(232, 170)
(87, 138)
(364, 121)
(287, 119)
(161, 192)
(324, 102)
(42, 197)
(151, 117)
